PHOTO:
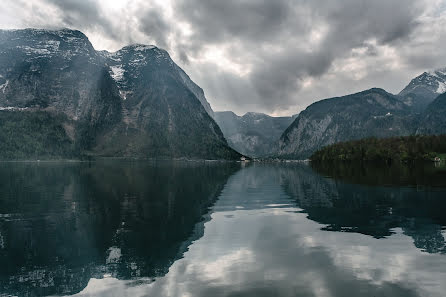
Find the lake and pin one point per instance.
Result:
(122, 228)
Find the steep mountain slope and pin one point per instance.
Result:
(133, 103)
(253, 134)
(433, 120)
(162, 116)
(60, 72)
(423, 89)
(369, 113)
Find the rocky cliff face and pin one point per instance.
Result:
(60, 72)
(253, 134)
(132, 103)
(423, 89)
(369, 113)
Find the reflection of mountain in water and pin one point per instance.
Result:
(372, 200)
(64, 224)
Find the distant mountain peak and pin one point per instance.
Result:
(255, 114)
(254, 134)
(423, 89)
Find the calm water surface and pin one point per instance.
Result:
(205, 229)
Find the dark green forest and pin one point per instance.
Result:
(33, 135)
(407, 148)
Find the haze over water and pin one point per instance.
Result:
(221, 229)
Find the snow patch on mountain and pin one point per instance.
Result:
(117, 73)
(12, 108)
(31, 50)
(441, 87)
(143, 47)
(3, 86)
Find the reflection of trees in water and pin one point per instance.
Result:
(67, 223)
(427, 236)
(372, 200)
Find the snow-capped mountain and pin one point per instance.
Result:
(423, 89)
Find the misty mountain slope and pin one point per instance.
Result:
(423, 89)
(253, 134)
(133, 103)
(369, 113)
(433, 120)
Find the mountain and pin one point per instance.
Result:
(253, 134)
(61, 73)
(423, 89)
(433, 120)
(162, 112)
(369, 113)
(135, 102)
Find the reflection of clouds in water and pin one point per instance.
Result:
(273, 259)
(279, 252)
(107, 286)
(219, 269)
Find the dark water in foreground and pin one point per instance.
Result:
(195, 229)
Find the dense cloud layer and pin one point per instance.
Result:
(261, 55)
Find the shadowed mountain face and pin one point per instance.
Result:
(433, 120)
(253, 134)
(63, 224)
(370, 113)
(132, 103)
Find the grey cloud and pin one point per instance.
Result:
(83, 15)
(276, 76)
(146, 19)
(183, 56)
(152, 24)
(215, 20)
(277, 42)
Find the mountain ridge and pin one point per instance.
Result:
(372, 112)
(145, 106)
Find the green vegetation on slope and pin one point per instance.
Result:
(27, 135)
(409, 148)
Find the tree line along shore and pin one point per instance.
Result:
(405, 149)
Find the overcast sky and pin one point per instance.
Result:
(272, 56)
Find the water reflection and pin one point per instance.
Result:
(126, 229)
(258, 243)
(62, 224)
(373, 200)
